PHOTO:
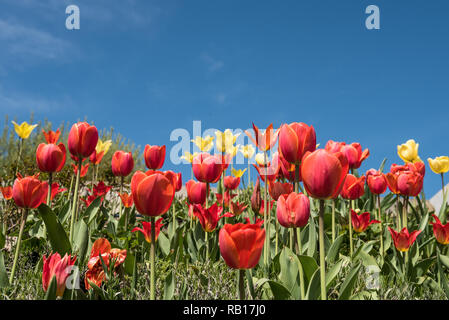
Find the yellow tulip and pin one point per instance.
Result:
(24, 129)
(237, 173)
(260, 159)
(225, 140)
(103, 146)
(439, 164)
(247, 151)
(232, 150)
(204, 144)
(409, 151)
(188, 156)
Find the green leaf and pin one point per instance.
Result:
(2, 238)
(442, 213)
(129, 263)
(64, 213)
(311, 246)
(163, 243)
(81, 239)
(56, 234)
(334, 249)
(332, 273)
(443, 278)
(92, 210)
(309, 267)
(348, 284)
(314, 289)
(289, 269)
(98, 290)
(51, 290)
(368, 261)
(279, 291)
(382, 165)
(4, 282)
(169, 288)
(249, 276)
(444, 260)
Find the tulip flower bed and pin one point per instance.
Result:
(312, 226)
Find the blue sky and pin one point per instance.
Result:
(149, 67)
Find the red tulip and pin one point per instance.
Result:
(178, 185)
(361, 222)
(236, 208)
(256, 199)
(6, 192)
(207, 168)
(60, 268)
(406, 180)
(403, 240)
(440, 231)
(227, 198)
(264, 141)
(270, 170)
(95, 158)
(354, 154)
(100, 189)
(83, 169)
(83, 139)
(323, 173)
(95, 272)
(127, 200)
(353, 187)
(54, 189)
(196, 192)
(146, 229)
(231, 183)
(226, 161)
(153, 193)
(51, 136)
(262, 206)
(376, 180)
(50, 157)
(276, 189)
(293, 210)
(295, 139)
(209, 217)
(334, 146)
(122, 163)
(241, 244)
(175, 178)
(154, 156)
(29, 192)
(288, 170)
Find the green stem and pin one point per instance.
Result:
(398, 216)
(174, 218)
(381, 229)
(321, 243)
(351, 248)
(301, 272)
(241, 278)
(121, 191)
(19, 156)
(75, 200)
(277, 236)
(249, 175)
(265, 222)
(152, 264)
(333, 220)
(50, 181)
(205, 236)
(19, 240)
(291, 238)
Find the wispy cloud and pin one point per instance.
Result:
(212, 63)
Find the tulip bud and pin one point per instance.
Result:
(122, 163)
(295, 139)
(29, 192)
(154, 156)
(83, 139)
(256, 198)
(293, 210)
(50, 157)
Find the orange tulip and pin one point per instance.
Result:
(276, 189)
(83, 139)
(59, 267)
(264, 141)
(293, 210)
(154, 156)
(196, 192)
(323, 173)
(406, 180)
(361, 222)
(353, 187)
(440, 231)
(50, 157)
(51, 136)
(207, 168)
(29, 192)
(6, 192)
(376, 180)
(153, 193)
(122, 163)
(146, 229)
(83, 169)
(127, 200)
(241, 244)
(95, 272)
(231, 183)
(354, 154)
(403, 240)
(95, 158)
(237, 208)
(295, 139)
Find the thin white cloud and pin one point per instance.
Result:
(212, 63)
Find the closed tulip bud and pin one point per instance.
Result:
(354, 154)
(264, 141)
(154, 156)
(440, 231)
(153, 193)
(293, 210)
(376, 181)
(295, 139)
(146, 229)
(323, 173)
(83, 139)
(353, 188)
(6, 192)
(50, 157)
(256, 198)
(276, 189)
(439, 165)
(54, 266)
(241, 244)
(29, 192)
(361, 222)
(209, 217)
(231, 183)
(122, 163)
(403, 240)
(196, 192)
(207, 168)
(409, 151)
